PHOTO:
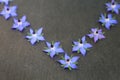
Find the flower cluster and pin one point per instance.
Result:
(54, 48)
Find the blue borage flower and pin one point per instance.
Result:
(107, 21)
(113, 6)
(36, 36)
(81, 46)
(7, 12)
(96, 34)
(20, 24)
(6, 2)
(69, 62)
(53, 49)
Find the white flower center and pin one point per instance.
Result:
(34, 35)
(68, 61)
(53, 48)
(113, 6)
(19, 22)
(96, 33)
(107, 20)
(80, 45)
(8, 10)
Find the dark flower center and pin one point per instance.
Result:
(52, 46)
(7, 9)
(19, 20)
(113, 3)
(96, 32)
(106, 17)
(81, 42)
(68, 60)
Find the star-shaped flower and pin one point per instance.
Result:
(7, 12)
(96, 34)
(5, 1)
(113, 6)
(53, 49)
(20, 24)
(69, 62)
(107, 21)
(81, 46)
(36, 36)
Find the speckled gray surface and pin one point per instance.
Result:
(64, 21)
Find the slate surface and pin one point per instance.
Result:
(64, 21)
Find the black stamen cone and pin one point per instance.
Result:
(19, 20)
(68, 60)
(113, 3)
(81, 41)
(51, 45)
(96, 32)
(8, 9)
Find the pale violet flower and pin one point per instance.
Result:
(96, 34)
(9, 11)
(81, 46)
(53, 49)
(69, 62)
(36, 36)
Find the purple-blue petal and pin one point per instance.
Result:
(23, 19)
(96, 38)
(108, 25)
(62, 62)
(48, 44)
(83, 39)
(87, 45)
(47, 50)
(52, 54)
(33, 41)
(39, 31)
(31, 31)
(74, 66)
(59, 50)
(56, 44)
(74, 59)
(41, 38)
(66, 56)
(83, 51)
(75, 48)
(90, 35)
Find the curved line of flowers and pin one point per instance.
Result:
(54, 48)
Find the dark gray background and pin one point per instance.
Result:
(64, 21)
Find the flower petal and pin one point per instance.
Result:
(90, 35)
(52, 54)
(83, 51)
(48, 44)
(75, 48)
(56, 44)
(83, 39)
(74, 59)
(23, 19)
(107, 25)
(47, 50)
(33, 40)
(59, 50)
(41, 38)
(74, 66)
(31, 31)
(87, 45)
(62, 62)
(96, 38)
(66, 56)
(39, 31)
